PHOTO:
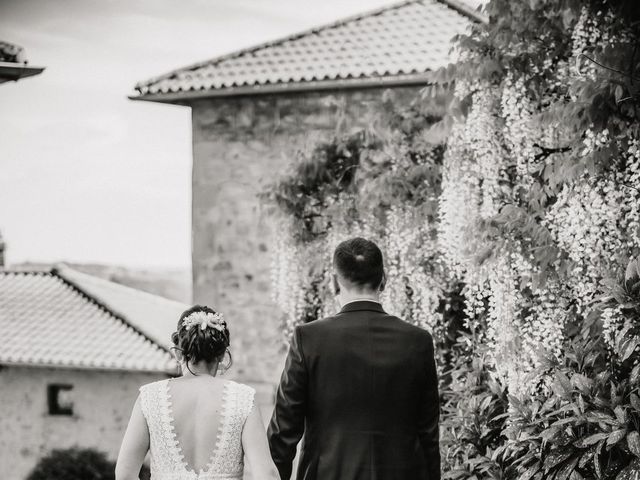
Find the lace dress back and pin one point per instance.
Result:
(167, 460)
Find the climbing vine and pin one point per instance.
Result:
(371, 184)
(510, 221)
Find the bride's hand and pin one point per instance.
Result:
(256, 448)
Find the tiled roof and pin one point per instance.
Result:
(155, 316)
(46, 320)
(396, 44)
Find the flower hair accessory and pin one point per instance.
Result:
(205, 320)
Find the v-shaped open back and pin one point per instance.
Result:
(203, 440)
(223, 442)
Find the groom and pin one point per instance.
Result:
(361, 386)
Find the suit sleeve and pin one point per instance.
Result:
(430, 417)
(287, 423)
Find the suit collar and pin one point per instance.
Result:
(361, 305)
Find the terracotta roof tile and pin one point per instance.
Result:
(153, 315)
(404, 40)
(45, 320)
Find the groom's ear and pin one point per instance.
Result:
(383, 283)
(336, 284)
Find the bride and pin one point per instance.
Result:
(197, 426)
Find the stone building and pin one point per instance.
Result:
(253, 110)
(75, 349)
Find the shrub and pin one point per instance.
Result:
(74, 464)
(473, 415)
(586, 425)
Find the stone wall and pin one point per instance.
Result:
(102, 405)
(240, 144)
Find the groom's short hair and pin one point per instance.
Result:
(359, 262)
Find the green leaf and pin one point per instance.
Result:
(633, 441)
(621, 414)
(549, 433)
(455, 474)
(616, 436)
(555, 458)
(567, 469)
(564, 421)
(529, 473)
(629, 348)
(590, 440)
(597, 465)
(630, 472)
(582, 382)
(600, 417)
(561, 385)
(586, 457)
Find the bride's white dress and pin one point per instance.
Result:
(167, 461)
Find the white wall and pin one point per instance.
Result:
(102, 404)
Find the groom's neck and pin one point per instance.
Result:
(350, 297)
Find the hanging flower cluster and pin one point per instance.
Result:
(595, 219)
(531, 213)
(459, 209)
(583, 221)
(505, 324)
(482, 132)
(287, 276)
(415, 286)
(491, 161)
(612, 322)
(519, 133)
(586, 34)
(475, 186)
(405, 231)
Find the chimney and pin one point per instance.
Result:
(2, 249)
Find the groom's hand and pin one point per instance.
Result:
(287, 423)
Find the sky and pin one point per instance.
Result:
(87, 175)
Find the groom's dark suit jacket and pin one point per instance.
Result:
(362, 388)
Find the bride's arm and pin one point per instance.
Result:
(256, 448)
(135, 445)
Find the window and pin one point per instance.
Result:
(59, 399)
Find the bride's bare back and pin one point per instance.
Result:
(178, 419)
(196, 408)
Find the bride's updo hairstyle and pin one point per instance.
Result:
(202, 335)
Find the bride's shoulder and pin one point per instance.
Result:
(240, 387)
(244, 394)
(147, 387)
